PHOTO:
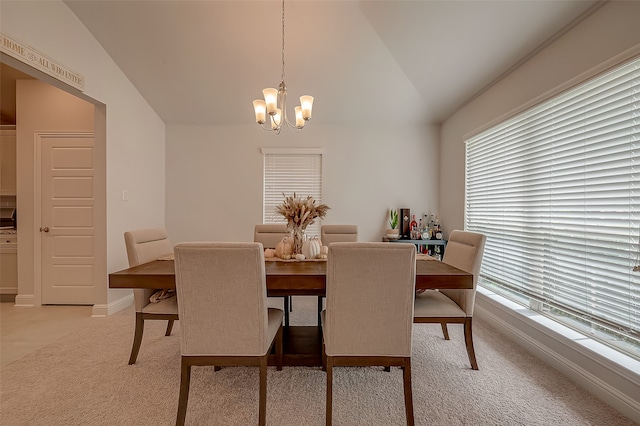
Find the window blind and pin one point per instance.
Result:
(288, 171)
(556, 189)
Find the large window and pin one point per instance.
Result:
(288, 171)
(556, 189)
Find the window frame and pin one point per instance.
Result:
(535, 254)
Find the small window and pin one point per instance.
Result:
(289, 170)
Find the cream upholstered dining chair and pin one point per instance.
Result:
(464, 251)
(145, 245)
(369, 315)
(336, 234)
(224, 318)
(270, 234)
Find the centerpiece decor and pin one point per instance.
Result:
(300, 213)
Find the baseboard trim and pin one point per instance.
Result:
(103, 310)
(9, 290)
(616, 384)
(8, 298)
(25, 300)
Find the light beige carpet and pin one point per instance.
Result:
(84, 379)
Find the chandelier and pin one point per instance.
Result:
(275, 103)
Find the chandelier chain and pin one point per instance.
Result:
(283, 40)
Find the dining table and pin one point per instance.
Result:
(302, 344)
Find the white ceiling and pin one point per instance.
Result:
(203, 62)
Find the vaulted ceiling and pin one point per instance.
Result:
(400, 62)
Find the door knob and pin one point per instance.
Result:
(45, 229)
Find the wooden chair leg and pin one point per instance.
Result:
(286, 310)
(137, 338)
(319, 310)
(408, 393)
(445, 332)
(185, 379)
(468, 340)
(324, 357)
(169, 328)
(262, 411)
(279, 349)
(328, 410)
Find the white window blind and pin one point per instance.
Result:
(556, 190)
(288, 171)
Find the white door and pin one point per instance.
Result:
(67, 220)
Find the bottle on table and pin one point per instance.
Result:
(413, 228)
(431, 233)
(437, 229)
(424, 229)
(437, 253)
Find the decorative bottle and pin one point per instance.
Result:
(413, 227)
(437, 230)
(431, 231)
(424, 229)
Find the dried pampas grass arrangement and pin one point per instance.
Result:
(301, 212)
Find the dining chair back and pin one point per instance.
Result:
(369, 315)
(464, 251)
(224, 318)
(338, 234)
(145, 245)
(270, 234)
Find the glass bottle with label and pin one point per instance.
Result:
(413, 227)
(424, 230)
(437, 230)
(431, 233)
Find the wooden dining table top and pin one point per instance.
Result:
(290, 277)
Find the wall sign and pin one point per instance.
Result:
(32, 57)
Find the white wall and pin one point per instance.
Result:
(135, 134)
(609, 32)
(214, 176)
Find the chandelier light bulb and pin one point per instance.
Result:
(260, 108)
(299, 119)
(271, 100)
(307, 104)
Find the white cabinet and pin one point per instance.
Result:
(8, 265)
(7, 160)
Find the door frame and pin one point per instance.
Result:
(29, 292)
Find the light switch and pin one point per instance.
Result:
(125, 195)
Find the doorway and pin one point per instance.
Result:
(29, 285)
